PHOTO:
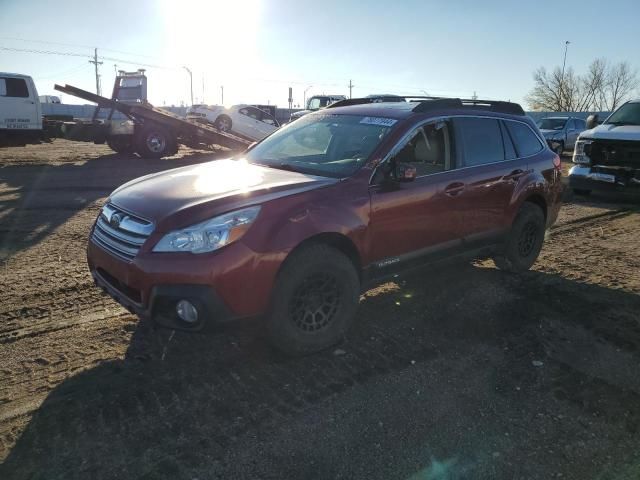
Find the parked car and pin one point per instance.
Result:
(315, 103)
(607, 156)
(244, 120)
(561, 132)
(295, 228)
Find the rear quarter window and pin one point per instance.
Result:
(526, 142)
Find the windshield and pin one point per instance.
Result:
(316, 103)
(552, 123)
(628, 114)
(327, 145)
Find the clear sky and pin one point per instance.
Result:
(256, 49)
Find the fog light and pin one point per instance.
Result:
(187, 311)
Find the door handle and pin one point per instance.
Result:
(454, 189)
(515, 175)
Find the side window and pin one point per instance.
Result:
(571, 125)
(580, 124)
(16, 87)
(3, 87)
(481, 140)
(428, 149)
(526, 142)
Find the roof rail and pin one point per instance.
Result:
(353, 101)
(490, 105)
(426, 104)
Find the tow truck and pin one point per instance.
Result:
(141, 128)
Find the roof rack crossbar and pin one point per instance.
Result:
(490, 105)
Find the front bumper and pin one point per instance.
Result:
(594, 178)
(233, 282)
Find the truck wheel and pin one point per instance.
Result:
(154, 141)
(120, 145)
(524, 241)
(314, 301)
(223, 123)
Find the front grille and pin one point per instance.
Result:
(120, 232)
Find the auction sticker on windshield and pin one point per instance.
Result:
(383, 122)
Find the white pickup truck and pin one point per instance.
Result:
(607, 156)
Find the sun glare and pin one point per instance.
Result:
(212, 36)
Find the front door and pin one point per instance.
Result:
(18, 108)
(410, 220)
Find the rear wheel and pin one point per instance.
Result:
(154, 141)
(524, 241)
(314, 302)
(223, 123)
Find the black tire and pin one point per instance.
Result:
(524, 241)
(120, 144)
(559, 149)
(154, 141)
(580, 191)
(223, 123)
(314, 301)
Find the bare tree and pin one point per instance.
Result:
(602, 87)
(620, 84)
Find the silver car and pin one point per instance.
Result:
(561, 133)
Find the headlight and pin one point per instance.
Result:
(209, 235)
(579, 156)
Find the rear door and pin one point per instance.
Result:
(18, 108)
(492, 173)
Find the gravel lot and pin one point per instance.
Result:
(456, 371)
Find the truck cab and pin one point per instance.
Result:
(20, 111)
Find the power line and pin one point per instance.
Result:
(45, 52)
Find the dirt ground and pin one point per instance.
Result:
(453, 372)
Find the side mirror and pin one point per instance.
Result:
(405, 172)
(592, 121)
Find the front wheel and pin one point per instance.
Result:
(524, 241)
(120, 144)
(314, 302)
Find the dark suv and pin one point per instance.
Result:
(296, 227)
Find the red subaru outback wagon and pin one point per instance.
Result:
(297, 226)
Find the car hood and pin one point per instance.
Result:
(613, 132)
(208, 189)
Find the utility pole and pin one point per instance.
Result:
(351, 85)
(96, 63)
(203, 89)
(564, 62)
(221, 94)
(191, 81)
(475, 96)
